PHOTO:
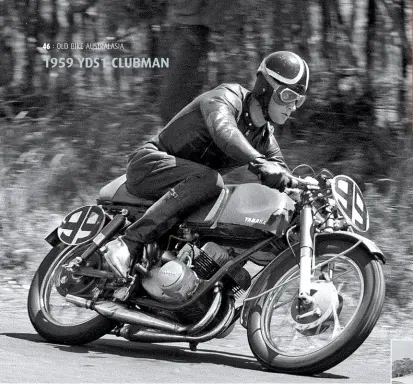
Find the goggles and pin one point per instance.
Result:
(287, 96)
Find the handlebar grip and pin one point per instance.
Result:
(292, 183)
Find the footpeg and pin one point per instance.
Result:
(123, 293)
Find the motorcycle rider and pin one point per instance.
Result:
(224, 128)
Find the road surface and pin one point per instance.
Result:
(26, 358)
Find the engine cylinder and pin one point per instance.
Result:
(205, 267)
(211, 258)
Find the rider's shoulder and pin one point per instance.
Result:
(229, 92)
(233, 88)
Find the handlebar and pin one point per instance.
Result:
(297, 183)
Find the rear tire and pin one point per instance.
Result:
(340, 347)
(38, 309)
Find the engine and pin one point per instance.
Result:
(211, 258)
(179, 277)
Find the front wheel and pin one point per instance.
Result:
(51, 315)
(348, 295)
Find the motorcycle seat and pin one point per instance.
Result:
(116, 193)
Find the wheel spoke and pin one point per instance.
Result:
(57, 309)
(293, 335)
(279, 305)
(341, 274)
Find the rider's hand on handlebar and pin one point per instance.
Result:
(310, 181)
(278, 180)
(306, 183)
(270, 173)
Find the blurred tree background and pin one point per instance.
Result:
(67, 131)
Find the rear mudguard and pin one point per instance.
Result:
(321, 241)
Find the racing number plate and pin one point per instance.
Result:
(350, 202)
(81, 225)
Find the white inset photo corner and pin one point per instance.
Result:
(402, 361)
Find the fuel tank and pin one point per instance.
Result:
(245, 212)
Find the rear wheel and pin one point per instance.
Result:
(51, 315)
(348, 294)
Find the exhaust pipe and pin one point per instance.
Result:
(123, 314)
(130, 332)
(210, 314)
(120, 312)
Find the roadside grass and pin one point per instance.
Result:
(391, 217)
(52, 165)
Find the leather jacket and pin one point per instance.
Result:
(215, 130)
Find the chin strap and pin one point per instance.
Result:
(247, 114)
(264, 100)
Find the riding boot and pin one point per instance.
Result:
(157, 220)
(119, 255)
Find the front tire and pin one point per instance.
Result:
(52, 317)
(300, 350)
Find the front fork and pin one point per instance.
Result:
(306, 253)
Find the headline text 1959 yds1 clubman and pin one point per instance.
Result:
(103, 62)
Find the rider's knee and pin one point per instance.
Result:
(210, 181)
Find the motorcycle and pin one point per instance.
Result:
(317, 295)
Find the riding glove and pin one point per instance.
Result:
(271, 174)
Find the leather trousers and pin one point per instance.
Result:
(179, 186)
